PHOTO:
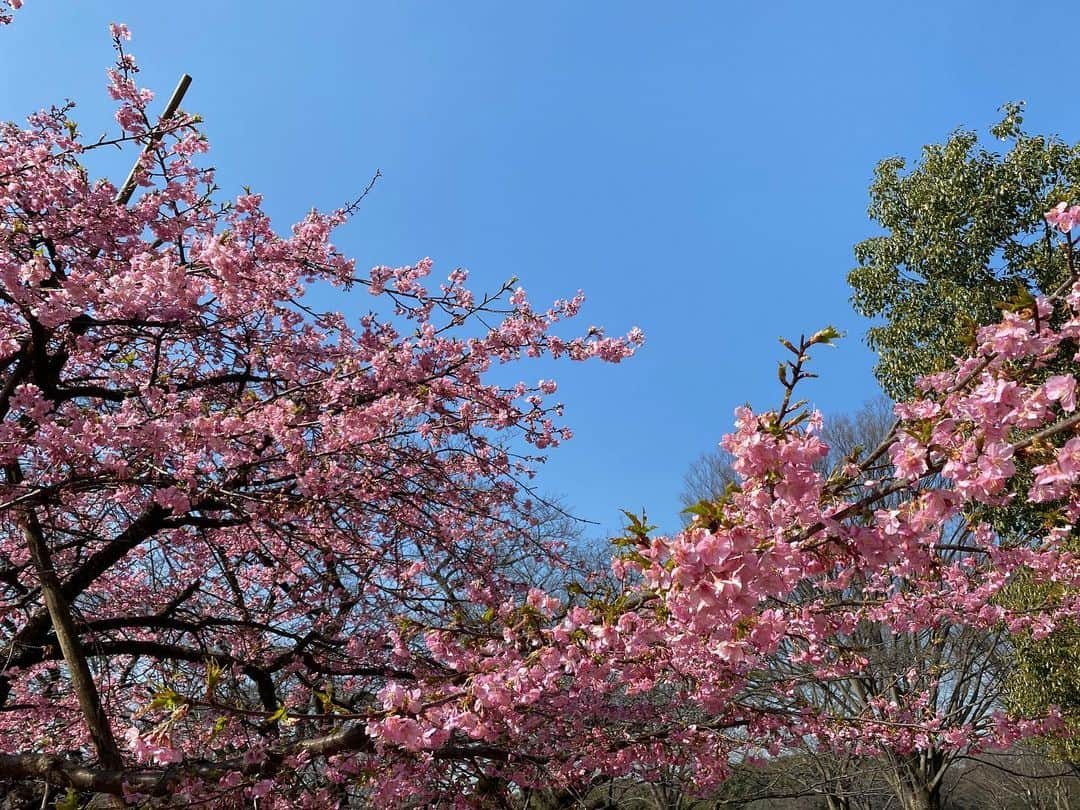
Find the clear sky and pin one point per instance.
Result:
(699, 169)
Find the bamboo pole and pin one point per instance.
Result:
(126, 190)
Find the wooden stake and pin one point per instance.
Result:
(126, 190)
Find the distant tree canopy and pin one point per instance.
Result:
(963, 229)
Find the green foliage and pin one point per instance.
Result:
(710, 511)
(166, 698)
(637, 531)
(963, 229)
(636, 537)
(1046, 672)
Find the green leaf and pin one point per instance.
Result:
(213, 675)
(826, 336)
(166, 699)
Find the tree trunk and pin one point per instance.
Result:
(918, 797)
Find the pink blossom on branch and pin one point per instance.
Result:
(11, 5)
(1063, 216)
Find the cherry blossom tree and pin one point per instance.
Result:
(225, 516)
(253, 552)
(959, 670)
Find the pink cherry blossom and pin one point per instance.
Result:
(1063, 217)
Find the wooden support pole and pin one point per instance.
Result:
(126, 190)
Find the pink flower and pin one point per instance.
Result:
(261, 789)
(1063, 217)
(1062, 388)
(909, 457)
(157, 748)
(403, 731)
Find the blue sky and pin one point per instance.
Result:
(699, 169)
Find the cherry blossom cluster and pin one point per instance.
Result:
(1064, 217)
(227, 517)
